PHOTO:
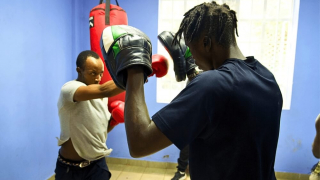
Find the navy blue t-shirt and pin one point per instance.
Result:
(231, 118)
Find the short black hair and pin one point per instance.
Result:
(82, 57)
(217, 21)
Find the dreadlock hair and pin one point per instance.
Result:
(217, 21)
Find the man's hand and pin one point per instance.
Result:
(160, 65)
(117, 112)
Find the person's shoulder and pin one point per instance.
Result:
(214, 79)
(232, 65)
(262, 70)
(249, 65)
(223, 72)
(73, 83)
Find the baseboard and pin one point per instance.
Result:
(170, 165)
(142, 163)
(292, 176)
(52, 177)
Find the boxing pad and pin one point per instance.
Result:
(180, 53)
(117, 112)
(160, 65)
(123, 46)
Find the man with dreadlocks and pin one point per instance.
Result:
(229, 115)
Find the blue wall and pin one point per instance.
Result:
(39, 41)
(297, 124)
(39, 44)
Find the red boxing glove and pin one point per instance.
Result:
(117, 112)
(160, 65)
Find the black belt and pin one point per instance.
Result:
(78, 164)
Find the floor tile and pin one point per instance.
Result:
(131, 173)
(153, 173)
(115, 170)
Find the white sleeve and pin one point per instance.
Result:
(68, 90)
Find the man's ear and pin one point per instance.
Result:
(207, 43)
(78, 70)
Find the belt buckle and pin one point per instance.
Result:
(84, 164)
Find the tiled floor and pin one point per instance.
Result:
(143, 170)
(128, 172)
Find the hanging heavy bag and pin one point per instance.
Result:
(102, 16)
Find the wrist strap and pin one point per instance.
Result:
(193, 74)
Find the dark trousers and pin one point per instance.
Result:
(183, 159)
(97, 170)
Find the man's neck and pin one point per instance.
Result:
(222, 54)
(235, 53)
(79, 79)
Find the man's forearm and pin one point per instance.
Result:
(144, 137)
(94, 91)
(109, 89)
(137, 117)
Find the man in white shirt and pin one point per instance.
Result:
(84, 121)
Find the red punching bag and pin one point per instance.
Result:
(102, 16)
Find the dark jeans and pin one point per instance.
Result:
(183, 159)
(97, 170)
